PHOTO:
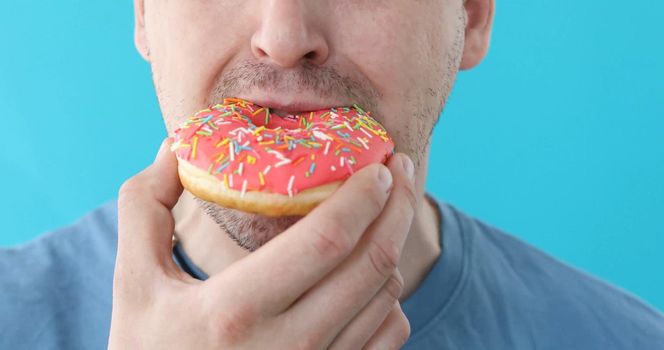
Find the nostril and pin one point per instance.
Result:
(261, 52)
(311, 55)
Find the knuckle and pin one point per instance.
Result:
(384, 256)
(394, 287)
(233, 326)
(409, 192)
(332, 240)
(129, 188)
(309, 341)
(130, 191)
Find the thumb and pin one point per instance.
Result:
(164, 171)
(145, 222)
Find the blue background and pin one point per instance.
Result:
(558, 137)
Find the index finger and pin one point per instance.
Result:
(296, 259)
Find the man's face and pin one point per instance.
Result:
(395, 58)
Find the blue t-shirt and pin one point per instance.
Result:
(488, 290)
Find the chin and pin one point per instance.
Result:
(250, 231)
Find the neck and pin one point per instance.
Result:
(212, 250)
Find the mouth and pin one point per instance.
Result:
(294, 108)
(287, 113)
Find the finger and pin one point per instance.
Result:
(394, 223)
(145, 223)
(365, 324)
(350, 287)
(293, 261)
(392, 334)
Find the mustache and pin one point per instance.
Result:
(326, 82)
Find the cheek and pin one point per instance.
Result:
(381, 52)
(391, 55)
(189, 44)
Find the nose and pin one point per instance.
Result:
(287, 35)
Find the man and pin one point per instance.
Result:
(376, 265)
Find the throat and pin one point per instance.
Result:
(206, 245)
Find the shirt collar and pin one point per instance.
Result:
(442, 282)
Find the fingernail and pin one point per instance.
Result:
(408, 166)
(384, 177)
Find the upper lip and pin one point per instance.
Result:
(294, 106)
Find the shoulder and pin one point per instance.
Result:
(62, 250)
(549, 300)
(60, 282)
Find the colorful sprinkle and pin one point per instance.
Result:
(244, 188)
(194, 147)
(222, 138)
(290, 185)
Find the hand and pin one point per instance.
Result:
(329, 281)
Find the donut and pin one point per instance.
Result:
(240, 155)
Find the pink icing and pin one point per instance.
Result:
(249, 149)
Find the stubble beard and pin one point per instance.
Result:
(251, 231)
